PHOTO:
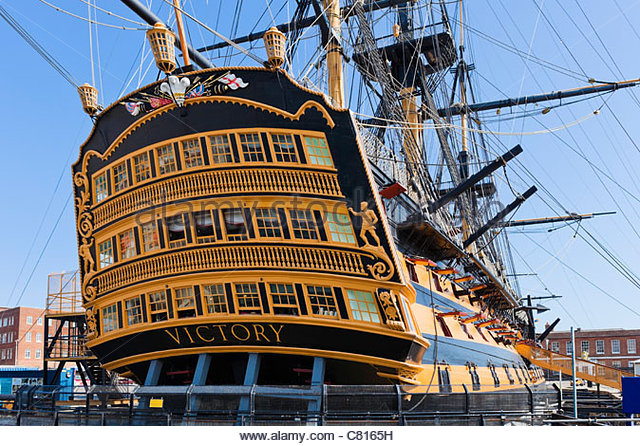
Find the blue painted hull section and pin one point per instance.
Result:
(424, 295)
(458, 351)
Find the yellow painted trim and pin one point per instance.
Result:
(213, 99)
(262, 318)
(262, 349)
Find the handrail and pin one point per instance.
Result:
(218, 182)
(589, 370)
(232, 257)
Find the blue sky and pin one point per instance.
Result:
(42, 126)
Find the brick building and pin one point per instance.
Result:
(21, 337)
(612, 347)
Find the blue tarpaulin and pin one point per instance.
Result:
(631, 394)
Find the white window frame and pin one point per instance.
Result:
(615, 350)
(599, 342)
(630, 343)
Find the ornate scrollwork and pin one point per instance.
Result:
(90, 291)
(92, 325)
(389, 305)
(383, 269)
(85, 230)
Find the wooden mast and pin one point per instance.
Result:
(334, 55)
(464, 154)
(183, 39)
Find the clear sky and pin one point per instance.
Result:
(586, 167)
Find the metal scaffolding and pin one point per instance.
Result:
(66, 318)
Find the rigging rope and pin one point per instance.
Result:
(470, 129)
(106, 11)
(92, 21)
(226, 39)
(51, 60)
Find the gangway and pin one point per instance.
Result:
(589, 370)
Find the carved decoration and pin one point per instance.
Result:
(92, 325)
(389, 304)
(85, 230)
(177, 90)
(384, 268)
(369, 220)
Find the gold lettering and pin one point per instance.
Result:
(188, 334)
(277, 333)
(212, 338)
(233, 332)
(260, 332)
(176, 337)
(224, 338)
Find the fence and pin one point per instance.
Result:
(272, 405)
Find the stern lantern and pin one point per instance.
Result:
(274, 43)
(89, 98)
(162, 43)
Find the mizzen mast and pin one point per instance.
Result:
(334, 52)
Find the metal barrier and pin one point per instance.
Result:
(274, 405)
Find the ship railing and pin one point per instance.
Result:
(585, 369)
(209, 183)
(63, 293)
(341, 261)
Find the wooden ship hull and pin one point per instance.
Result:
(231, 212)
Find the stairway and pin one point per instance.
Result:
(591, 371)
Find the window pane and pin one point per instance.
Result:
(176, 231)
(142, 167)
(204, 227)
(158, 306)
(185, 302)
(303, 224)
(340, 229)
(248, 298)
(220, 149)
(584, 346)
(600, 346)
(283, 299)
(234, 224)
(120, 177)
(106, 254)
(284, 148)
(134, 311)
(615, 346)
(150, 236)
(322, 301)
(127, 244)
(318, 151)
(268, 222)
(166, 159)
(251, 146)
(110, 318)
(215, 298)
(631, 345)
(363, 306)
(100, 185)
(192, 153)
